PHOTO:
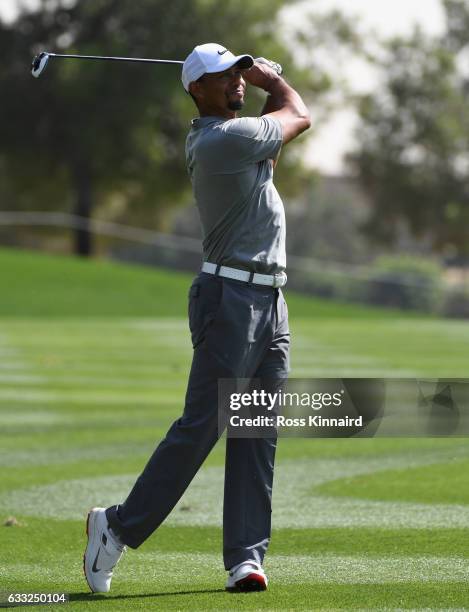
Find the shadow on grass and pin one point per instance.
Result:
(98, 597)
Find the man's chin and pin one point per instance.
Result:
(236, 105)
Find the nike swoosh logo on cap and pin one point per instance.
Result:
(222, 52)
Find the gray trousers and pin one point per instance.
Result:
(238, 330)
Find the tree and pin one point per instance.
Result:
(413, 151)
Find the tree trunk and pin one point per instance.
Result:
(83, 239)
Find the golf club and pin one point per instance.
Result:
(40, 62)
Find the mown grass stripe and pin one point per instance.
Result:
(181, 568)
(202, 503)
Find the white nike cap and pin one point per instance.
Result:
(210, 57)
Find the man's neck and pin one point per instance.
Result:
(217, 112)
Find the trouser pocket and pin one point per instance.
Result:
(205, 297)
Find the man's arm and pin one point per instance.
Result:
(283, 102)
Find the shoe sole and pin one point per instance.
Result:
(250, 584)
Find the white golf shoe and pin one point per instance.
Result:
(245, 577)
(102, 552)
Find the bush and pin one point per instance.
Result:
(316, 282)
(404, 282)
(456, 303)
(409, 283)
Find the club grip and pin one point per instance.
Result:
(274, 65)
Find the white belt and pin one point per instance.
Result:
(275, 280)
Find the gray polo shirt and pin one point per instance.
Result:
(230, 165)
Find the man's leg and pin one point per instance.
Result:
(228, 343)
(175, 461)
(249, 463)
(163, 481)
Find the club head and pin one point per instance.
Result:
(39, 64)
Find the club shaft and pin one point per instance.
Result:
(116, 59)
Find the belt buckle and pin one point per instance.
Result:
(279, 282)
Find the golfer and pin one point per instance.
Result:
(237, 317)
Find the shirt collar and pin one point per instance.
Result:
(201, 122)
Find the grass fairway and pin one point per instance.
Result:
(94, 359)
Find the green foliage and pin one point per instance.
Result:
(412, 157)
(410, 283)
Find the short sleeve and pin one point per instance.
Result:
(253, 139)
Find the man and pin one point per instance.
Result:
(237, 316)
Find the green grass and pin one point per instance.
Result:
(94, 359)
(449, 482)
